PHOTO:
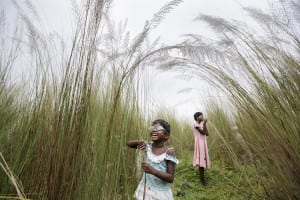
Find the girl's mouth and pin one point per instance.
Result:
(154, 135)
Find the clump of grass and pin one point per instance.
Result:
(68, 138)
(224, 140)
(260, 76)
(15, 182)
(222, 183)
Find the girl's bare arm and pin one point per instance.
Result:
(136, 144)
(166, 176)
(203, 131)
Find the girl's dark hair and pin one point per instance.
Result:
(197, 114)
(164, 124)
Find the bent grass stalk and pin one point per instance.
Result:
(16, 183)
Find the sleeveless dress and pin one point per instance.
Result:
(156, 189)
(201, 157)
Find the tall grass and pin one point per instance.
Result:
(65, 138)
(259, 73)
(63, 134)
(223, 140)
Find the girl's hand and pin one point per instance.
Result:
(147, 167)
(205, 120)
(141, 145)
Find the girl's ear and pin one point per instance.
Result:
(167, 136)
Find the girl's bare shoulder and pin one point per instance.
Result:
(170, 151)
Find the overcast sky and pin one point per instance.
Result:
(166, 87)
(57, 15)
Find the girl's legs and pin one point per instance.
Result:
(202, 177)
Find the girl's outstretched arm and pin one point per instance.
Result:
(136, 144)
(166, 176)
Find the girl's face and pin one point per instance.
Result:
(157, 133)
(200, 118)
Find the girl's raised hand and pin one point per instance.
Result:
(147, 167)
(141, 145)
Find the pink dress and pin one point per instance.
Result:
(201, 157)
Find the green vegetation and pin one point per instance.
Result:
(63, 133)
(223, 184)
(259, 124)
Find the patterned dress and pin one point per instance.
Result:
(201, 157)
(156, 189)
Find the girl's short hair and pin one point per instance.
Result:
(164, 124)
(197, 114)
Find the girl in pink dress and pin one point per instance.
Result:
(201, 157)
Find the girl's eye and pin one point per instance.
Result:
(156, 128)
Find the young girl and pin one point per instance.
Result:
(201, 157)
(160, 164)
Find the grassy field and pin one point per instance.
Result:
(223, 183)
(63, 131)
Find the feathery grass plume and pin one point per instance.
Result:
(126, 62)
(260, 75)
(79, 109)
(50, 130)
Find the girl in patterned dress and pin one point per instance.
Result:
(159, 166)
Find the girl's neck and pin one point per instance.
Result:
(158, 144)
